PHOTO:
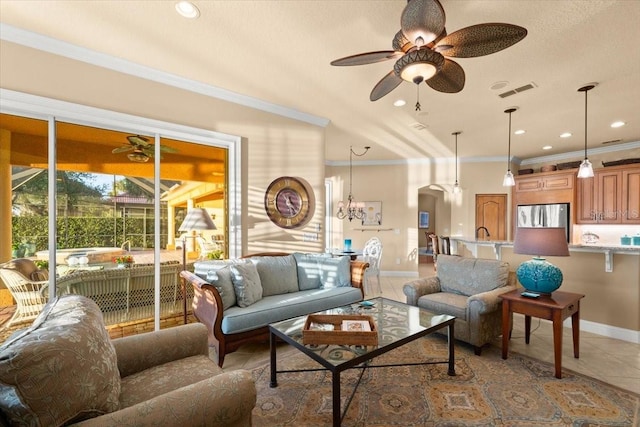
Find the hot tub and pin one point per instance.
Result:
(95, 255)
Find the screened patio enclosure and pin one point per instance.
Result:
(136, 206)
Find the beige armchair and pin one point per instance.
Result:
(28, 286)
(162, 378)
(469, 289)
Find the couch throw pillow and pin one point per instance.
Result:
(221, 279)
(278, 274)
(335, 272)
(246, 283)
(62, 369)
(309, 271)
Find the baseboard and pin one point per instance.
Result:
(607, 331)
(408, 274)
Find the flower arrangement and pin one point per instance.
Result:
(123, 259)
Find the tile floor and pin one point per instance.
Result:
(612, 361)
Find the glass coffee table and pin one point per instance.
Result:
(397, 324)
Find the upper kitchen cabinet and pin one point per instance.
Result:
(612, 196)
(545, 187)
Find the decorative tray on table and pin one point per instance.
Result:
(340, 329)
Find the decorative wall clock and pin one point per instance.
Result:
(288, 202)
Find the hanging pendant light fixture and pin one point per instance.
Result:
(586, 170)
(353, 209)
(508, 180)
(456, 186)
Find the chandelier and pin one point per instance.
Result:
(353, 209)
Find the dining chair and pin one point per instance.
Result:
(435, 245)
(372, 253)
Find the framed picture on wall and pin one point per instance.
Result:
(372, 213)
(423, 220)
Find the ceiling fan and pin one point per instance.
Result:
(141, 149)
(422, 44)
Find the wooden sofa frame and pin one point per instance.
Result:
(207, 308)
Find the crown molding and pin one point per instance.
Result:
(58, 47)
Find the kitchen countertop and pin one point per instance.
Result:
(607, 249)
(598, 247)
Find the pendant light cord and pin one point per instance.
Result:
(509, 149)
(585, 124)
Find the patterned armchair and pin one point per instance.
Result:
(158, 378)
(469, 289)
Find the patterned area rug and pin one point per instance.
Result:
(486, 391)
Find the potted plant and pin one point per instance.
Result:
(17, 250)
(41, 264)
(123, 261)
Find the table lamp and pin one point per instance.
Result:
(196, 219)
(537, 275)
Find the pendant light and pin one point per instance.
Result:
(456, 186)
(508, 180)
(352, 209)
(586, 170)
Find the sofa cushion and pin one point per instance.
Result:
(309, 271)
(221, 279)
(166, 377)
(246, 283)
(445, 303)
(280, 307)
(278, 274)
(335, 271)
(61, 369)
(470, 276)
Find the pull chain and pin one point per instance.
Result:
(418, 98)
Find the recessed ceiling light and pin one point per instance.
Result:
(399, 102)
(519, 132)
(617, 124)
(187, 9)
(565, 135)
(547, 147)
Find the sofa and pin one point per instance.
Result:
(238, 299)
(64, 370)
(469, 289)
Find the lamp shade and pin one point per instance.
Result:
(538, 275)
(197, 219)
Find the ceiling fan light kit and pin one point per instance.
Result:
(141, 149)
(422, 43)
(586, 169)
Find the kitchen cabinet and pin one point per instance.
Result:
(612, 196)
(540, 182)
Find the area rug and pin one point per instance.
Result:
(486, 391)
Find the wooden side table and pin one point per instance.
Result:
(555, 307)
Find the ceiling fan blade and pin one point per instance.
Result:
(385, 85)
(138, 140)
(423, 19)
(480, 40)
(449, 80)
(367, 58)
(123, 149)
(166, 149)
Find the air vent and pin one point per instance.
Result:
(518, 90)
(613, 141)
(418, 126)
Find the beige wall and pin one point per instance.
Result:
(273, 146)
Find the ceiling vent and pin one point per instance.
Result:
(418, 126)
(518, 90)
